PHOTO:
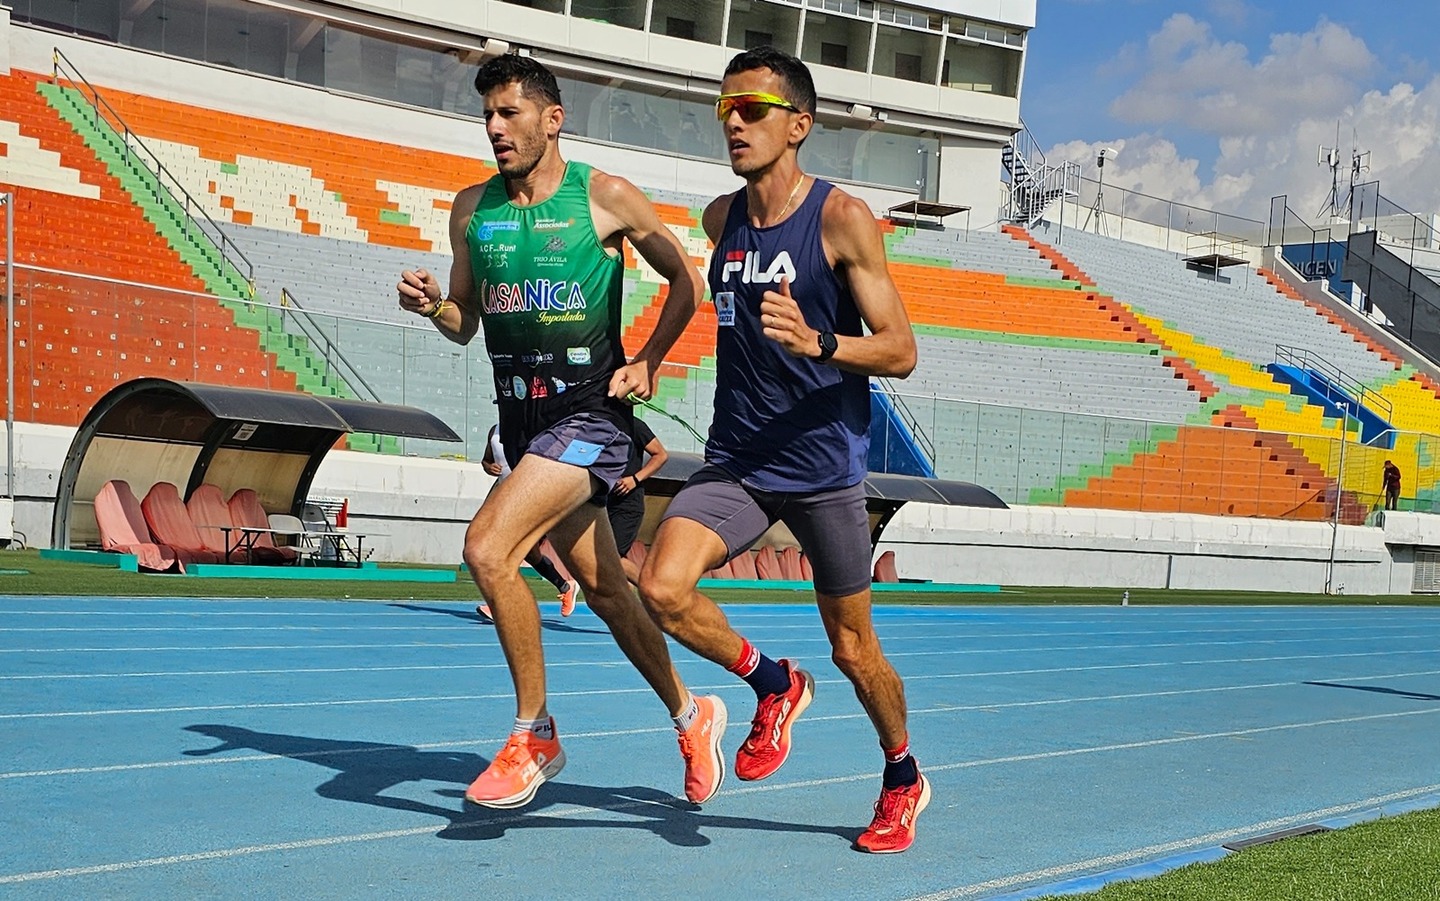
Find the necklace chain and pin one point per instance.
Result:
(791, 199)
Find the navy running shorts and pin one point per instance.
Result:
(832, 526)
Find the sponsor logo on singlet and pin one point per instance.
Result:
(550, 225)
(747, 265)
(519, 385)
(487, 230)
(578, 356)
(536, 358)
(556, 301)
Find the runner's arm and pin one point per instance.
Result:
(622, 209)
(456, 316)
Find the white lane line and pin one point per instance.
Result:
(450, 627)
(598, 692)
(947, 652)
(481, 742)
(884, 635)
(325, 841)
(1110, 861)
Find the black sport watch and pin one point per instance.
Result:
(828, 346)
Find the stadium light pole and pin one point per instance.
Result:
(7, 200)
(1339, 484)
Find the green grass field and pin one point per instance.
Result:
(1392, 859)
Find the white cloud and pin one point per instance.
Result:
(1195, 80)
(1267, 118)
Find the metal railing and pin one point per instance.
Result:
(1304, 358)
(333, 353)
(907, 416)
(198, 223)
(1120, 208)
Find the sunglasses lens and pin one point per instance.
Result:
(750, 109)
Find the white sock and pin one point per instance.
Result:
(542, 728)
(686, 719)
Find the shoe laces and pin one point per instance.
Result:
(890, 803)
(511, 756)
(687, 748)
(762, 727)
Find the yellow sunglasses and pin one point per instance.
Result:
(752, 105)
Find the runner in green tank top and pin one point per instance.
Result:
(537, 262)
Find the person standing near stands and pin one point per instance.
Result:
(1392, 486)
(538, 263)
(627, 499)
(798, 267)
(493, 462)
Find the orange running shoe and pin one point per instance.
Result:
(567, 597)
(768, 746)
(484, 611)
(700, 746)
(517, 772)
(893, 829)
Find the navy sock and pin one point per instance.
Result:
(903, 773)
(760, 672)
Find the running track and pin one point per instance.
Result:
(224, 748)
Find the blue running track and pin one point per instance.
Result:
(222, 748)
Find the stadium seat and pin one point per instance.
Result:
(246, 512)
(123, 528)
(767, 563)
(170, 523)
(790, 564)
(885, 568)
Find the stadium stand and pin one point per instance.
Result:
(1070, 374)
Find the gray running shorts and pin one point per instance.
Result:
(831, 526)
(590, 442)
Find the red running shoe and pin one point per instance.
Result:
(893, 829)
(768, 745)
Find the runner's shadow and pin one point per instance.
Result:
(365, 771)
(1378, 689)
(470, 615)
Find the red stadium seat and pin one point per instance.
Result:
(123, 528)
(169, 522)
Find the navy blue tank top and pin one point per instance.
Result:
(783, 423)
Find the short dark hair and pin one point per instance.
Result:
(536, 81)
(800, 87)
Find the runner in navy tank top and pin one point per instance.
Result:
(782, 422)
(798, 268)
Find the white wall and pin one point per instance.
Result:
(416, 510)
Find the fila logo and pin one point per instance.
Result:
(775, 732)
(747, 264)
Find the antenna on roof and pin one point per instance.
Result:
(1331, 158)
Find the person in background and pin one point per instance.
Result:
(494, 463)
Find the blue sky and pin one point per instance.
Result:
(1223, 103)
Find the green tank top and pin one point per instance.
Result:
(549, 295)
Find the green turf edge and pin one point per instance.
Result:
(1393, 858)
(68, 579)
